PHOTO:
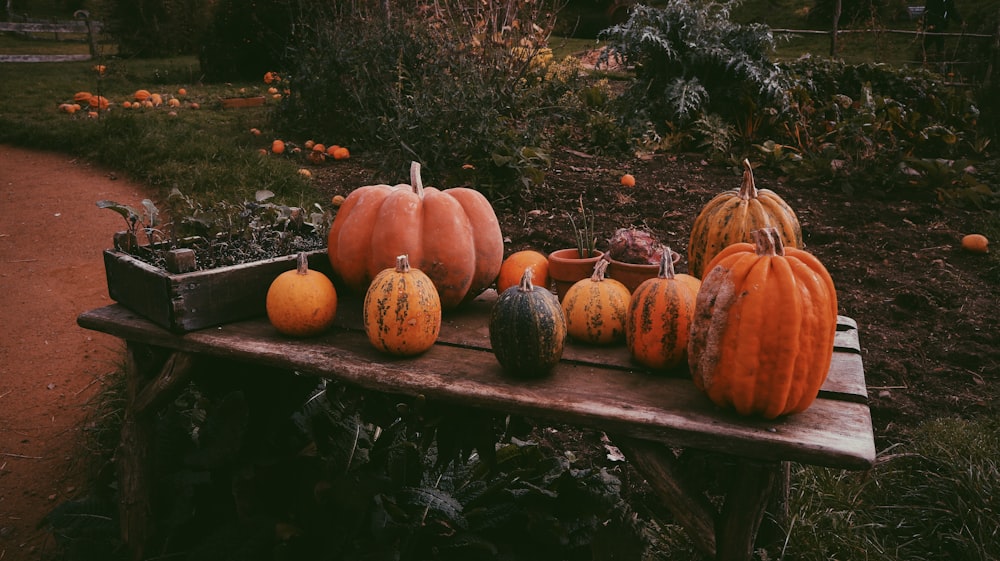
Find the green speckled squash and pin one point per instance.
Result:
(527, 329)
(402, 310)
(730, 217)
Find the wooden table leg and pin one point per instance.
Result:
(746, 502)
(143, 392)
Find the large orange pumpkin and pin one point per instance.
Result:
(451, 235)
(762, 336)
(659, 316)
(730, 217)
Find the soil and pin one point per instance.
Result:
(926, 309)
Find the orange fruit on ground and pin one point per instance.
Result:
(278, 147)
(341, 153)
(512, 269)
(976, 243)
(628, 180)
(182, 91)
(319, 147)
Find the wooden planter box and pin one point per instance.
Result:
(189, 301)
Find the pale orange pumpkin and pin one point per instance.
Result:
(765, 320)
(452, 235)
(402, 311)
(301, 302)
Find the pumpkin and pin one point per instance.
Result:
(301, 302)
(82, 97)
(512, 269)
(527, 329)
(596, 308)
(659, 316)
(762, 336)
(141, 95)
(451, 235)
(730, 217)
(628, 180)
(976, 243)
(402, 311)
(278, 146)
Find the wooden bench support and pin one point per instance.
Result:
(145, 393)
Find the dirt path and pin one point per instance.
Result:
(51, 238)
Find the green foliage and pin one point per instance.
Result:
(938, 498)
(447, 86)
(246, 38)
(853, 125)
(691, 58)
(157, 28)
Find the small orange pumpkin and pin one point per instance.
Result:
(301, 302)
(141, 95)
(730, 217)
(402, 310)
(765, 320)
(596, 308)
(514, 266)
(278, 146)
(82, 97)
(976, 243)
(659, 316)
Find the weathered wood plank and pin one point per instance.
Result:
(832, 432)
(52, 27)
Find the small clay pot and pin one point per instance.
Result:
(633, 274)
(566, 267)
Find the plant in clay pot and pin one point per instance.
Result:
(566, 266)
(635, 256)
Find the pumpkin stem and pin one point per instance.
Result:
(748, 189)
(667, 260)
(767, 241)
(415, 181)
(525, 284)
(302, 263)
(600, 269)
(403, 263)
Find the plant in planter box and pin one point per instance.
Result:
(211, 264)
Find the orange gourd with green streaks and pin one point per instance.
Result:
(762, 336)
(730, 217)
(402, 310)
(659, 316)
(596, 308)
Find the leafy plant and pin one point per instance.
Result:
(691, 58)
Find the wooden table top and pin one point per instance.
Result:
(599, 387)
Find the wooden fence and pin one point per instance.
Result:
(80, 26)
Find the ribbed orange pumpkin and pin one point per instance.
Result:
(402, 311)
(730, 217)
(82, 97)
(452, 235)
(596, 308)
(301, 302)
(141, 95)
(762, 337)
(659, 316)
(513, 268)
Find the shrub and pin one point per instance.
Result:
(450, 86)
(691, 58)
(246, 39)
(157, 28)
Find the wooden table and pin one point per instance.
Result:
(649, 416)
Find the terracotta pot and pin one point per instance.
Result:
(566, 267)
(632, 274)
